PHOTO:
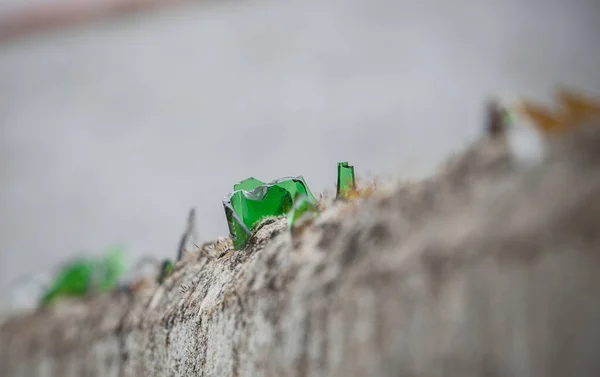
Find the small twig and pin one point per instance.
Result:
(191, 225)
(495, 125)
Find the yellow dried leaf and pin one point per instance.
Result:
(574, 109)
(362, 192)
(576, 106)
(542, 118)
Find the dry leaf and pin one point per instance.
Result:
(574, 109)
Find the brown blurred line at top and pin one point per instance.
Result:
(64, 13)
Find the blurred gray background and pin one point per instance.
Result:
(111, 131)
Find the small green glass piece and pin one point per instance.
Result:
(303, 206)
(507, 118)
(346, 182)
(74, 279)
(165, 270)
(252, 201)
(82, 276)
(112, 268)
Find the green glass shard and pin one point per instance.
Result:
(112, 268)
(508, 118)
(252, 201)
(75, 279)
(165, 270)
(248, 184)
(303, 206)
(82, 276)
(346, 182)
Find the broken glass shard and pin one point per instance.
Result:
(304, 207)
(165, 270)
(111, 268)
(82, 276)
(346, 182)
(252, 201)
(73, 280)
(248, 184)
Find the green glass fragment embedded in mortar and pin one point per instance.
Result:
(303, 206)
(252, 201)
(346, 182)
(82, 276)
(166, 268)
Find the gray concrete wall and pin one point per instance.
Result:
(110, 132)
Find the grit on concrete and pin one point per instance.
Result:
(110, 132)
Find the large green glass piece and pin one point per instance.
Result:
(252, 200)
(346, 183)
(82, 276)
(303, 207)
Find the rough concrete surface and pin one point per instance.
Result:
(489, 268)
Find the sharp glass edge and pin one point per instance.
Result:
(227, 205)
